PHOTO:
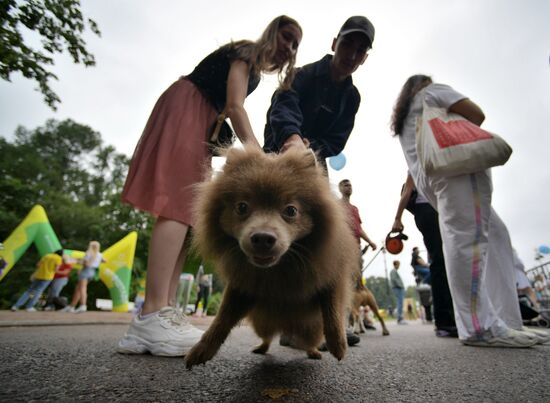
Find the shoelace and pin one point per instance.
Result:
(175, 316)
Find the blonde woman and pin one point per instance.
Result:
(90, 265)
(171, 157)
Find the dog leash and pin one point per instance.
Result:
(374, 257)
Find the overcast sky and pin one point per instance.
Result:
(494, 51)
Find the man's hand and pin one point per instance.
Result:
(397, 226)
(295, 140)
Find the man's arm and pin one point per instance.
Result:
(333, 141)
(405, 196)
(365, 237)
(285, 116)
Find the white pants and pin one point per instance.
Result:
(476, 246)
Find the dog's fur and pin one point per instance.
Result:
(362, 296)
(282, 243)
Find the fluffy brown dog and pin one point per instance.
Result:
(281, 242)
(362, 296)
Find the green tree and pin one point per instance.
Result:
(60, 25)
(382, 292)
(65, 167)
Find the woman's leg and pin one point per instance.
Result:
(165, 251)
(76, 295)
(464, 207)
(501, 273)
(175, 280)
(83, 287)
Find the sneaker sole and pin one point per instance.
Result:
(499, 343)
(131, 344)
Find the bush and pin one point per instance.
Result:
(214, 303)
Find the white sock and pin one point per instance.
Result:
(143, 317)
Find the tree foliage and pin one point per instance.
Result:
(379, 286)
(60, 25)
(65, 167)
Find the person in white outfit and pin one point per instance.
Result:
(475, 241)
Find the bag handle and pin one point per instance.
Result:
(219, 122)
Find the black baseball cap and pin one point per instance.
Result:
(358, 23)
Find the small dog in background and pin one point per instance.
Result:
(362, 296)
(281, 241)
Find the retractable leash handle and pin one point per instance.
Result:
(394, 244)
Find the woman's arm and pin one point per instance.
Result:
(237, 86)
(468, 110)
(405, 196)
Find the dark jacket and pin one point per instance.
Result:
(316, 108)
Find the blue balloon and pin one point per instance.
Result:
(337, 162)
(545, 250)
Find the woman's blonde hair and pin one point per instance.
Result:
(262, 53)
(93, 249)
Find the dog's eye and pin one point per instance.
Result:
(241, 208)
(290, 211)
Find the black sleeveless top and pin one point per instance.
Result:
(210, 75)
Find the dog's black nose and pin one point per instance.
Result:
(263, 241)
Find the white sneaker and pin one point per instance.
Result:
(31, 309)
(14, 308)
(512, 339)
(541, 336)
(80, 309)
(68, 308)
(167, 333)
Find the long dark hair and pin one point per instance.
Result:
(403, 104)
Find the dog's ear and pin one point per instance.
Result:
(300, 158)
(236, 155)
(311, 158)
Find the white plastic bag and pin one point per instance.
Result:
(448, 145)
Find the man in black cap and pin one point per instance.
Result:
(319, 110)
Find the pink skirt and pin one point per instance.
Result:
(172, 155)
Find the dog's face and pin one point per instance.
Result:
(260, 205)
(265, 225)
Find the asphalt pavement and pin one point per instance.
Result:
(52, 356)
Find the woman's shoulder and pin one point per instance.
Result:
(242, 50)
(441, 95)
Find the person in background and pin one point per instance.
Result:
(204, 289)
(90, 265)
(420, 267)
(398, 288)
(426, 220)
(40, 279)
(60, 280)
(486, 315)
(173, 155)
(355, 219)
(319, 110)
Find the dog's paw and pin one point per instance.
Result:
(199, 354)
(314, 354)
(385, 332)
(337, 348)
(261, 349)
